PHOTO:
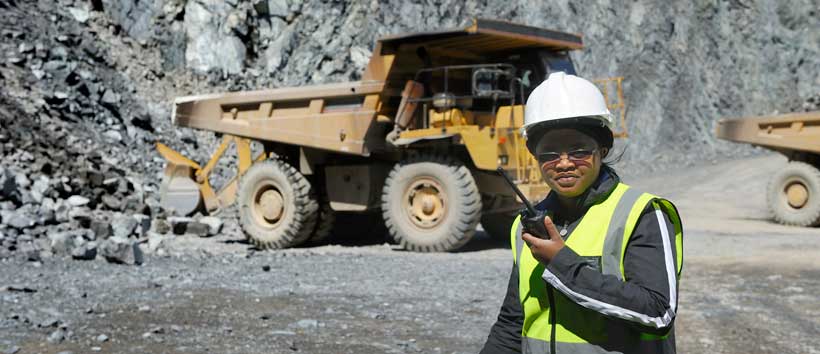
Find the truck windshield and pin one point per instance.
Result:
(558, 62)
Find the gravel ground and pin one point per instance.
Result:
(749, 285)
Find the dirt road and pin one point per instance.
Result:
(749, 286)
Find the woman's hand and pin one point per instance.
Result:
(545, 250)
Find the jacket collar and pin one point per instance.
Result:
(596, 193)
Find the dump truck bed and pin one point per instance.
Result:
(343, 117)
(332, 116)
(786, 132)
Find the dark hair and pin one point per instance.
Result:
(587, 125)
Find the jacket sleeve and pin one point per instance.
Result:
(648, 297)
(505, 335)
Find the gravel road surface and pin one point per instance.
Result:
(749, 286)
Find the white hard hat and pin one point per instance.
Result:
(563, 96)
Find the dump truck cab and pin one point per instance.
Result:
(418, 139)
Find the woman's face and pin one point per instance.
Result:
(570, 161)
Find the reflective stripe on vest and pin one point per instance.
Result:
(600, 238)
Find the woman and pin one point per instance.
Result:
(605, 278)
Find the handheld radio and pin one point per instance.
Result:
(531, 219)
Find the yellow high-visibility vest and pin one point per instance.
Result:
(556, 323)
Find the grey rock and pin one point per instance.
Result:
(143, 224)
(360, 56)
(80, 214)
(22, 181)
(278, 8)
(77, 201)
(58, 52)
(121, 251)
(12, 350)
(39, 189)
(25, 47)
(63, 243)
(179, 224)
(135, 16)
(307, 323)
(19, 220)
(156, 242)
(278, 50)
(197, 228)
(211, 42)
(56, 337)
(84, 250)
(101, 229)
(48, 204)
(113, 135)
(161, 226)
(124, 226)
(49, 322)
(110, 98)
(33, 255)
(8, 188)
(81, 14)
(214, 224)
(112, 202)
(102, 338)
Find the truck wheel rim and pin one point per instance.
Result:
(425, 203)
(797, 194)
(269, 206)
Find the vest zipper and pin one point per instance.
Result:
(551, 298)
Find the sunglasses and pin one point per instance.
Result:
(579, 155)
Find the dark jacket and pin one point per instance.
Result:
(647, 290)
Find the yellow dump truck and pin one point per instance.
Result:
(794, 191)
(418, 138)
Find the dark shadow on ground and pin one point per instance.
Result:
(362, 230)
(483, 241)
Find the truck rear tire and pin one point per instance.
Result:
(277, 208)
(794, 195)
(324, 225)
(431, 204)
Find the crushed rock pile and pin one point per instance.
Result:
(79, 175)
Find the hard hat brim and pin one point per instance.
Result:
(592, 126)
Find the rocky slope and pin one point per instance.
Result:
(87, 85)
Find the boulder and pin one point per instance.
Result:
(101, 229)
(63, 243)
(121, 250)
(84, 250)
(124, 226)
(179, 224)
(197, 228)
(161, 226)
(214, 224)
(156, 243)
(20, 219)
